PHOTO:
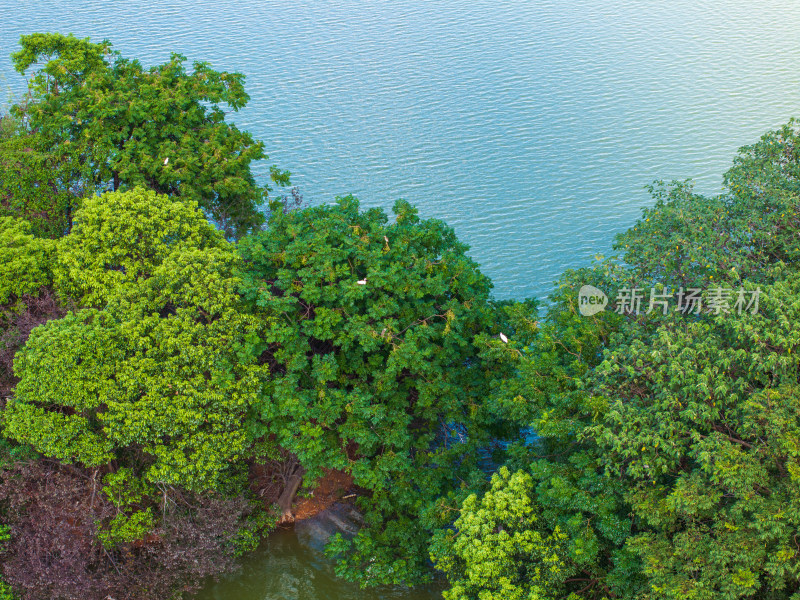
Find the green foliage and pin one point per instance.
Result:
(666, 447)
(6, 593)
(700, 424)
(369, 330)
(125, 528)
(124, 489)
(159, 379)
(704, 430)
(25, 261)
(34, 183)
(684, 239)
(251, 530)
(109, 121)
(121, 238)
(497, 552)
(690, 241)
(26, 295)
(570, 541)
(769, 169)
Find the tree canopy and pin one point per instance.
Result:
(370, 337)
(26, 262)
(107, 121)
(157, 378)
(161, 371)
(665, 460)
(121, 238)
(34, 182)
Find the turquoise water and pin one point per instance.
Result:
(529, 126)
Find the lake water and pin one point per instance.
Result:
(285, 569)
(529, 126)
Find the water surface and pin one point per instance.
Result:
(531, 126)
(284, 569)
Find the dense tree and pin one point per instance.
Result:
(370, 339)
(25, 260)
(26, 296)
(703, 428)
(108, 121)
(144, 391)
(666, 451)
(34, 182)
(702, 423)
(552, 526)
(157, 378)
(120, 239)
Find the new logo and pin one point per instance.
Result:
(591, 300)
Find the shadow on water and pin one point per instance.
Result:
(284, 569)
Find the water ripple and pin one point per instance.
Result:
(531, 127)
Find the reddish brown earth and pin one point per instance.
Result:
(268, 481)
(332, 487)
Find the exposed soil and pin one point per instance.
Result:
(334, 486)
(268, 481)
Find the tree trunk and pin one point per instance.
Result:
(286, 499)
